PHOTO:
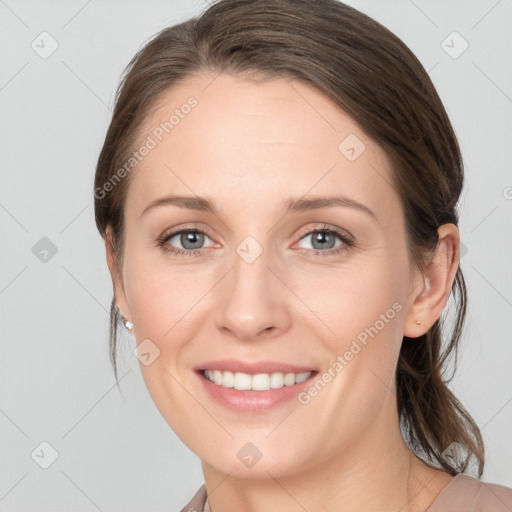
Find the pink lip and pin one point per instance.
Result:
(233, 365)
(252, 401)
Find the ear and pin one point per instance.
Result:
(433, 288)
(115, 274)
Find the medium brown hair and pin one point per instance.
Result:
(371, 75)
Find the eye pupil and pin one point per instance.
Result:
(194, 237)
(324, 238)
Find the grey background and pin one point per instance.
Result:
(115, 451)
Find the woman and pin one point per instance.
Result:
(277, 192)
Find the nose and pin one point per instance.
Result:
(254, 301)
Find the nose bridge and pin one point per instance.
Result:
(250, 266)
(254, 299)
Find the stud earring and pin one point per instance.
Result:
(418, 322)
(127, 324)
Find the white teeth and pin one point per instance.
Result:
(276, 380)
(242, 381)
(301, 377)
(289, 379)
(258, 382)
(228, 379)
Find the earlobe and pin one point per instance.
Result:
(432, 293)
(115, 275)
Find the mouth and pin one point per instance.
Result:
(255, 382)
(253, 387)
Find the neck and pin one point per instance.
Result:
(379, 473)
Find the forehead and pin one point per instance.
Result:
(225, 137)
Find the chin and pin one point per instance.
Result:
(258, 459)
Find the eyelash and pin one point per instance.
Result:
(347, 242)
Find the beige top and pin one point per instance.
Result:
(462, 494)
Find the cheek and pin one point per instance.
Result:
(168, 304)
(160, 295)
(162, 299)
(363, 309)
(355, 299)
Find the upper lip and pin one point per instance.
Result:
(252, 368)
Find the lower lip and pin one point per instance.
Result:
(253, 401)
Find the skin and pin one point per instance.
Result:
(250, 147)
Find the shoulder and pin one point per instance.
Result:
(196, 504)
(472, 494)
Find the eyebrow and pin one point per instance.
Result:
(290, 206)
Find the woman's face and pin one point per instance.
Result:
(260, 287)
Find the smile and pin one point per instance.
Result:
(258, 382)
